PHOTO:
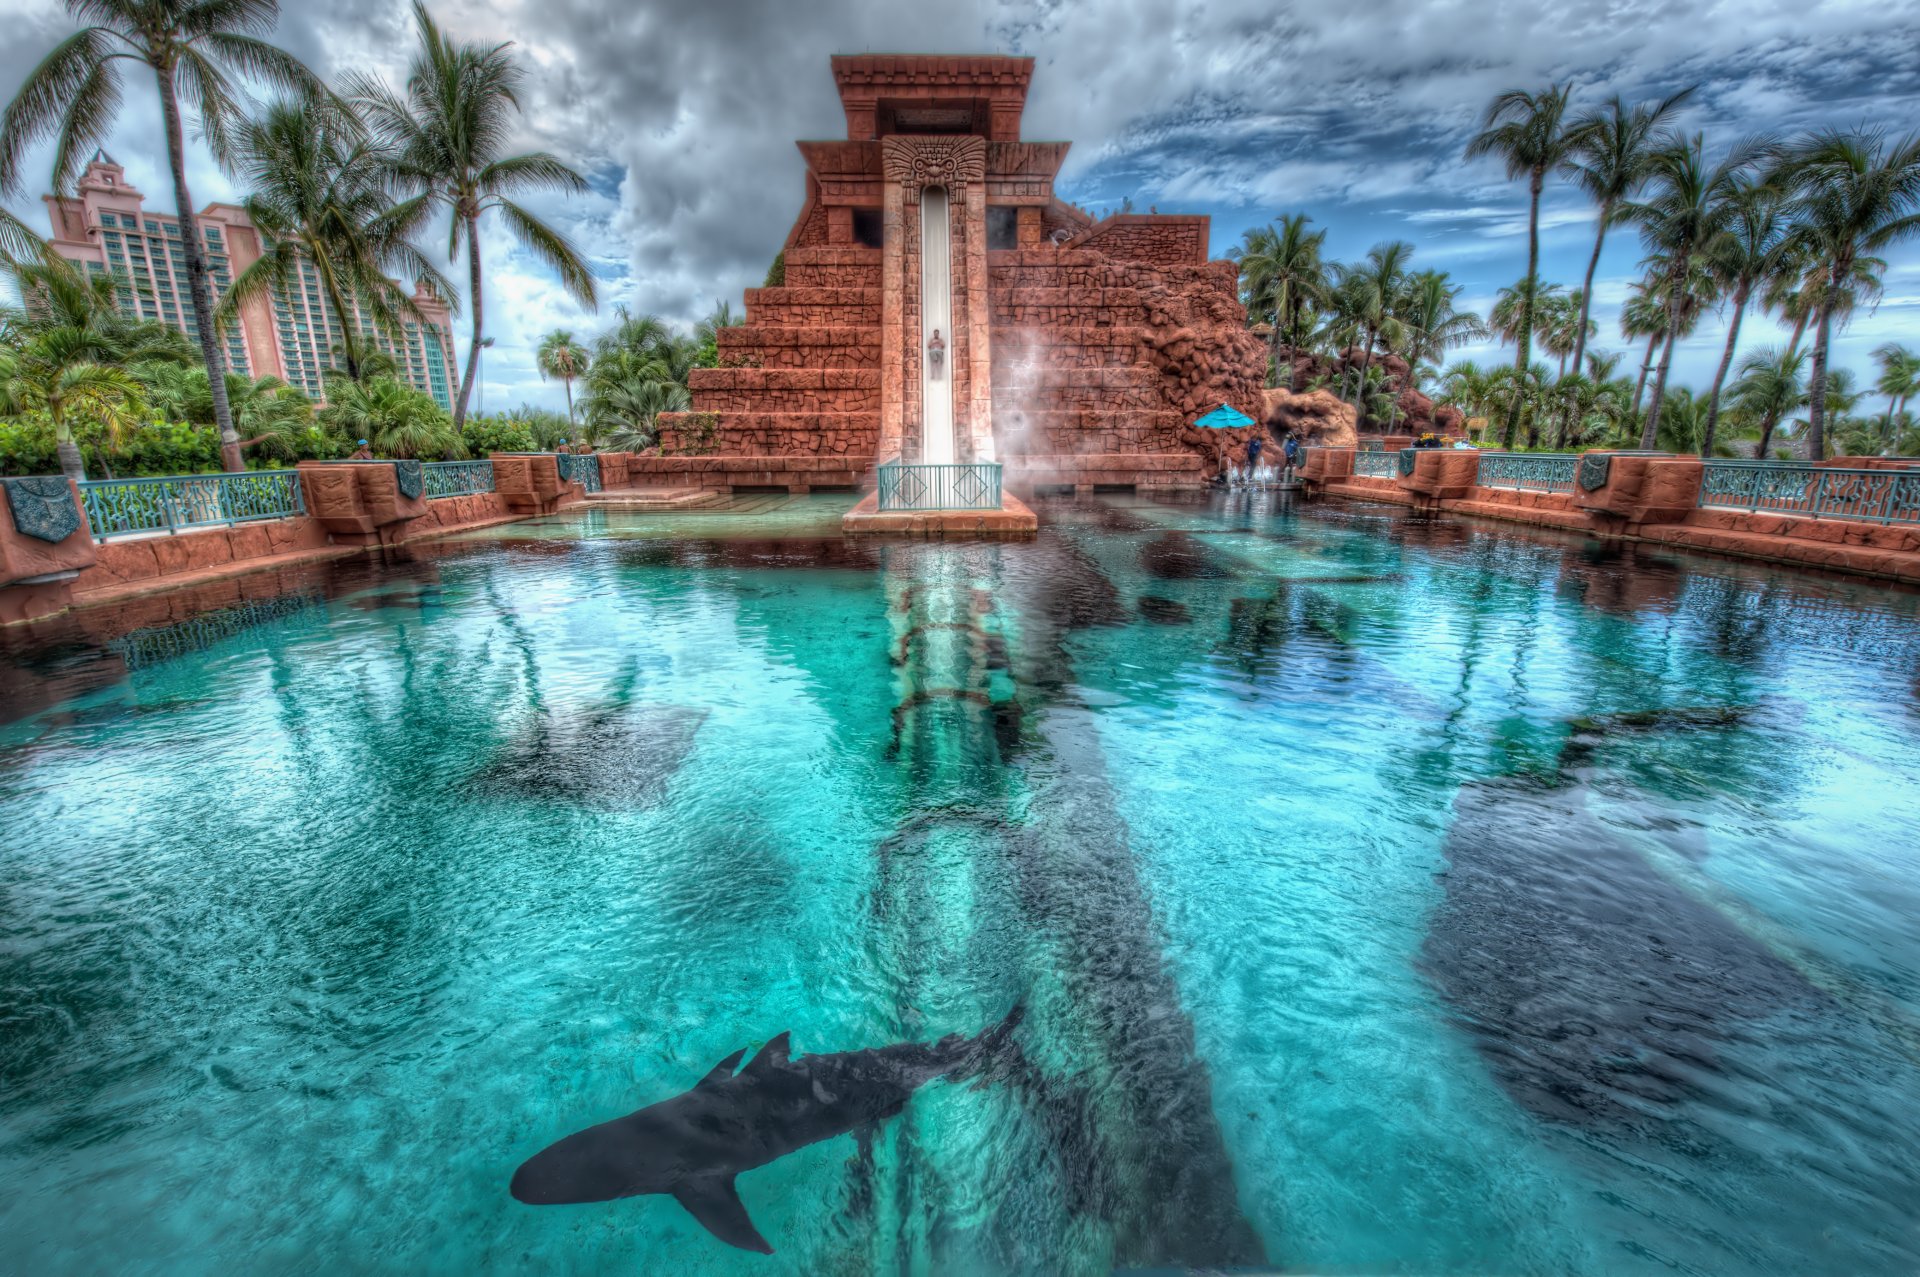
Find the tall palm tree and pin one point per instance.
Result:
(1750, 252)
(194, 48)
(1527, 131)
(1899, 379)
(1371, 292)
(443, 141)
(1433, 325)
(1609, 153)
(1771, 385)
(1644, 315)
(1512, 304)
(561, 356)
(1853, 194)
(1283, 274)
(1689, 208)
(320, 200)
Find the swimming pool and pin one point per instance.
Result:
(1383, 894)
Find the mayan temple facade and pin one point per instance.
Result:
(940, 303)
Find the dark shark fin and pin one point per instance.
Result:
(770, 1056)
(713, 1200)
(721, 1071)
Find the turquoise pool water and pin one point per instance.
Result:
(1384, 896)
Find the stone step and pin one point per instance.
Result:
(1072, 307)
(777, 434)
(833, 266)
(799, 390)
(1045, 268)
(1024, 472)
(832, 307)
(1019, 384)
(658, 498)
(753, 470)
(769, 346)
(1080, 346)
(1073, 432)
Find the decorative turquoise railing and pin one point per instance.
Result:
(1528, 471)
(1820, 492)
(121, 507)
(1377, 465)
(916, 486)
(458, 478)
(580, 468)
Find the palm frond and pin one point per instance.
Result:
(552, 248)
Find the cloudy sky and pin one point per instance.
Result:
(684, 114)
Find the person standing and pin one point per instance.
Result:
(1292, 449)
(1254, 445)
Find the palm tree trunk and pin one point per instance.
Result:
(568, 383)
(71, 464)
(1720, 376)
(1360, 383)
(1525, 335)
(473, 348)
(1646, 367)
(1817, 392)
(1799, 330)
(1586, 290)
(347, 350)
(1651, 431)
(1766, 437)
(198, 287)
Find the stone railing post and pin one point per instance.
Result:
(530, 482)
(44, 542)
(364, 502)
(1441, 475)
(1623, 491)
(614, 470)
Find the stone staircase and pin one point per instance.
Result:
(797, 394)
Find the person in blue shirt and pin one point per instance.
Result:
(1292, 449)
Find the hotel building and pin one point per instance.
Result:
(104, 229)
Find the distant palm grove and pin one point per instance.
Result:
(1787, 230)
(343, 178)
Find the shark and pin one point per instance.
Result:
(692, 1146)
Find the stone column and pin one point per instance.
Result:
(978, 410)
(892, 320)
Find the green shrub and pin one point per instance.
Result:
(483, 435)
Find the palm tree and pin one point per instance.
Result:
(1770, 386)
(443, 141)
(1514, 302)
(193, 48)
(1853, 194)
(1899, 380)
(561, 356)
(1433, 325)
(396, 419)
(1609, 153)
(69, 345)
(1690, 207)
(320, 201)
(1527, 131)
(1465, 386)
(1370, 293)
(1750, 252)
(1282, 273)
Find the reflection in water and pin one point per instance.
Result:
(1385, 894)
